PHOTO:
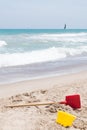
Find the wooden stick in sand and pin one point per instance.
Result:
(36, 104)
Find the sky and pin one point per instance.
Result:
(38, 14)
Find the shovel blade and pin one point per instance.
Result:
(65, 119)
(73, 101)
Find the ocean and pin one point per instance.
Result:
(34, 53)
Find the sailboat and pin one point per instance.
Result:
(65, 26)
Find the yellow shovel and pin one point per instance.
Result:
(65, 119)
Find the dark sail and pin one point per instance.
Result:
(65, 26)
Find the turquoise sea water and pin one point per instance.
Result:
(26, 53)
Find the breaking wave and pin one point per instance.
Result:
(2, 43)
(46, 55)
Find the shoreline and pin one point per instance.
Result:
(40, 83)
(15, 74)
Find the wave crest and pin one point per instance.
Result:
(46, 55)
(2, 43)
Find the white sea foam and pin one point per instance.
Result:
(2, 43)
(67, 37)
(50, 54)
(38, 47)
(61, 37)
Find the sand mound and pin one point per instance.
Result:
(42, 117)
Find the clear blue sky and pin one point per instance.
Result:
(43, 13)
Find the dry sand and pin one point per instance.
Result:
(41, 90)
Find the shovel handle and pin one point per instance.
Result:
(31, 104)
(36, 104)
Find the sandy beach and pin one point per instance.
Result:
(43, 65)
(43, 90)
